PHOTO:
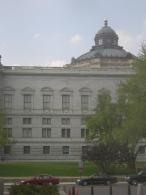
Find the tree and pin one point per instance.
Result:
(103, 155)
(123, 120)
(3, 134)
(132, 101)
(103, 123)
(105, 150)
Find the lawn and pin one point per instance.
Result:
(22, 169)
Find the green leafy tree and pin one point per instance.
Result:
(132, 105)
(4, 140)
(104, 155)
(103, 123)
(123, 120)
(102, 127)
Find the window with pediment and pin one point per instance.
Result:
(47, 98)
(8, 101)
(66, 95)
(28, 94)
(8, 94)
(27, 102)
(85, 94)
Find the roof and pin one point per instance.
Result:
(106, 46)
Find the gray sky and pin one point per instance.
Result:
(51, 32)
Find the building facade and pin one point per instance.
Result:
(46, 107)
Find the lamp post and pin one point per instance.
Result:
(81, 167)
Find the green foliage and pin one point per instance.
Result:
(3, 135)
(34, 190)
(124, 120)
(105, 121)
(132, 96)
(104, 155)
(4, 140)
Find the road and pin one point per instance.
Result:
(120, 188)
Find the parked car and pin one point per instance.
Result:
(41, 180)
(140, 177)
(97, 180)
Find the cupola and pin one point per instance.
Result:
(106, 37)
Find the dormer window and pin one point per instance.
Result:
(100, 41)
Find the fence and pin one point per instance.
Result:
(75, 190)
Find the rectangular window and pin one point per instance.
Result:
(83, 121)
(8, 121)
(27, 102)
(65, 133)
(141, 149)
(26, 150)
(84, 102)
(8, 101)
(100, 42)
(46, 121)
(46, 102)
(65, 121)
(27, 132)
(8, 132)
(46, 149)
(65, 102)
(84, 133)
(84, 149)
(46, 132)
(65, 150)
(7, 149)
(26, 121)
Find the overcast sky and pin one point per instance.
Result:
(51, 32)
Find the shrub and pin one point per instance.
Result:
(34, 190)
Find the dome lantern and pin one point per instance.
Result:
(106, 37)
(105, 22)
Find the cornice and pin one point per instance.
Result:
(77, 72)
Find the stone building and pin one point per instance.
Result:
(46, 107)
